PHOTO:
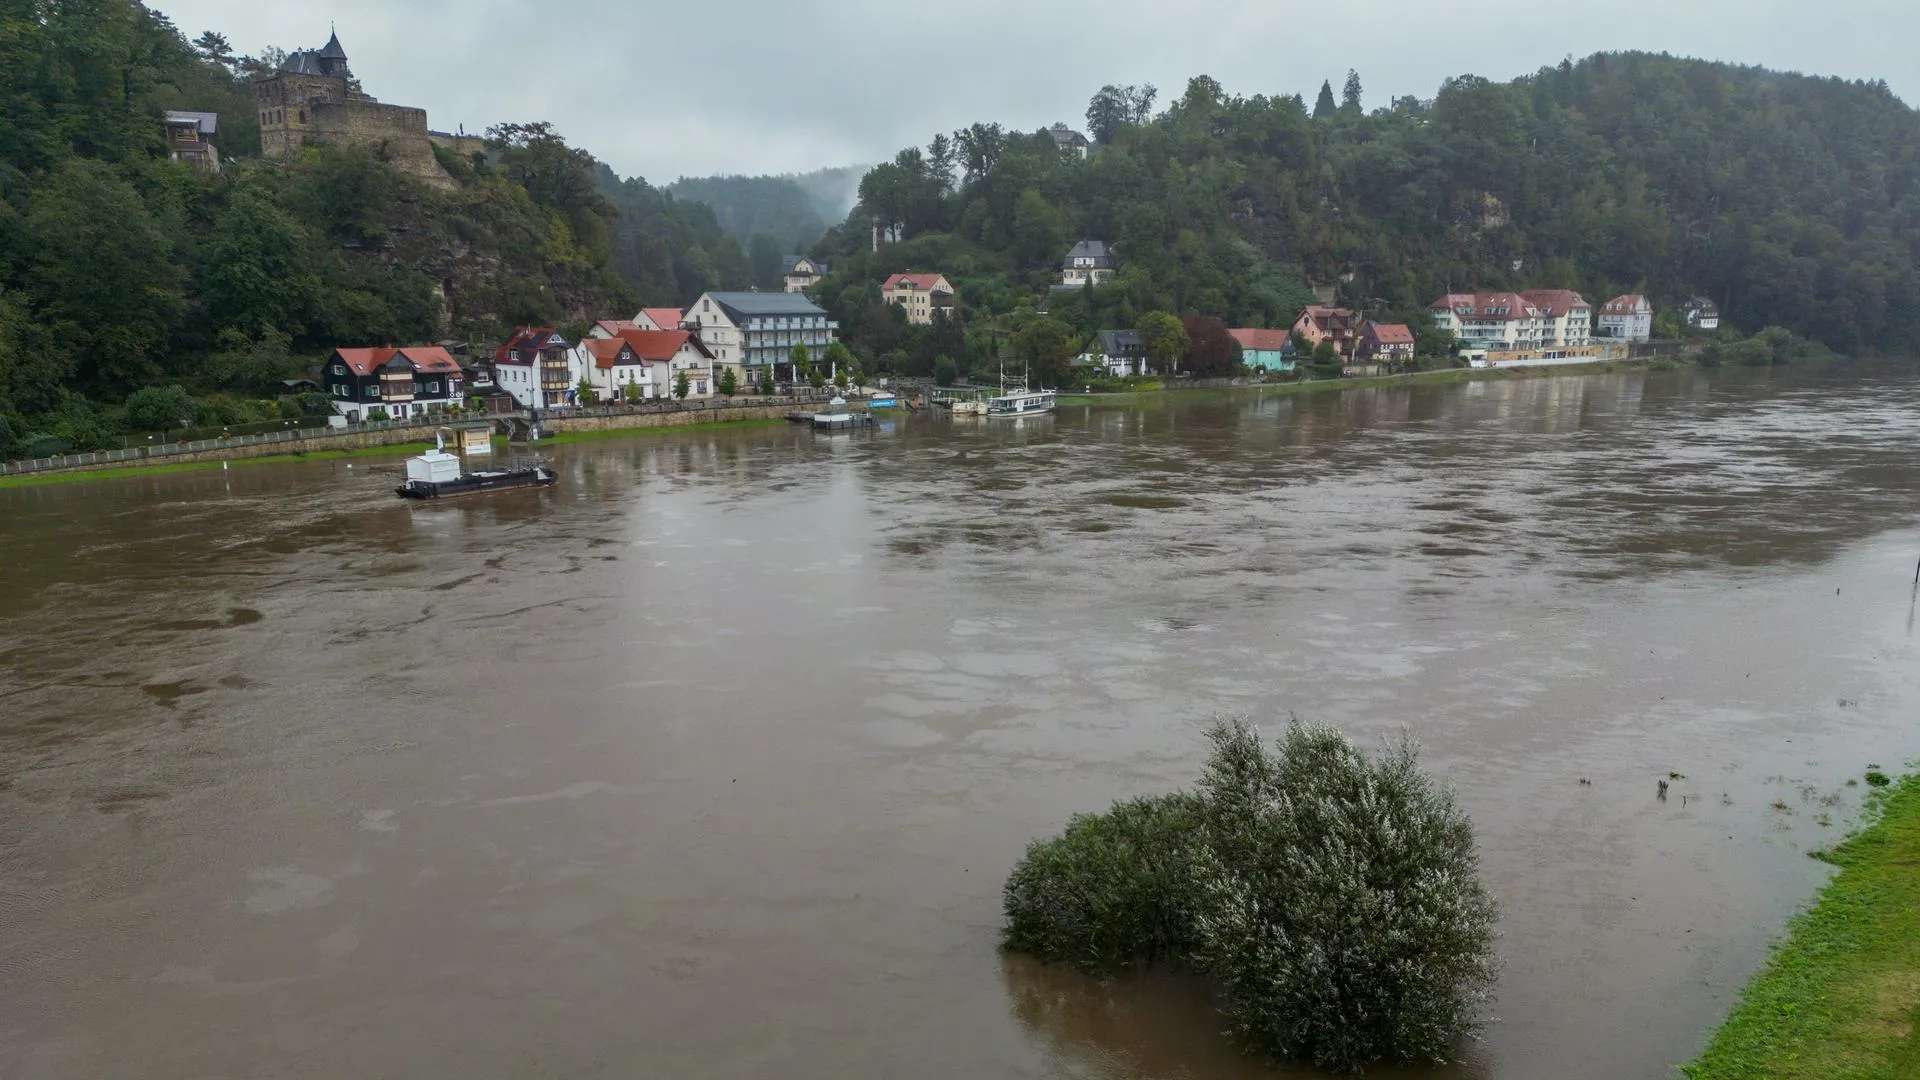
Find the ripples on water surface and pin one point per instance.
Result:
(710, 762)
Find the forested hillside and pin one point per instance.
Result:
(121, 269)
(1789, 200)
(773, 216)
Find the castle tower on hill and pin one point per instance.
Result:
(313, 98)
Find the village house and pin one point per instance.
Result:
(1568, 318)
(803, 272)
(1320, 323)
(1384, 343)
(612, 367)
(1703, 314)
(1267, 350)
(1089, 262)
(401, 383)
(1495, 322)
(1626, 318)
(648, 361)
(190, 138)
(920, 295)
(538, 367)
(658, 318)
(1117, 353)
(759, 330)
(1069, 141)
(607, 329)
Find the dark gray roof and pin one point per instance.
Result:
(1121, 343)
(795, 260)
(304, 62)
(332, 50)
(1090, 249)
(206, 122)
(740, 305)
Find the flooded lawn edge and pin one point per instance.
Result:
(1840, 994)
(1418, 378)
(162, 468)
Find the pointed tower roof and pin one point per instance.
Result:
(332, 50)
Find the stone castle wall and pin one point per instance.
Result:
(297, 109)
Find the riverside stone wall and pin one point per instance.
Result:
(399, 435)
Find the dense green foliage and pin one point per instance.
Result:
(1114, 889)
(1334, 901)
(121, 269)
(1788, 200)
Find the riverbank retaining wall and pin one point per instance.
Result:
(367, 437)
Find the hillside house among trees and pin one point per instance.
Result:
(1702, 314)
(1069, 141)
(190, 137)
(919, 295)
(1089, 262)
(803, 273)
(1626, 318)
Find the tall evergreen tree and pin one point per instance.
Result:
(1324, 107)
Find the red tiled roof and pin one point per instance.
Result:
(1555, 302)
(1392, 333)
(666, 318)
(524, 338)
(1323, 318)
(922, 282)
(1259, 340)
(606, 351)
(659, 345)
(612, 327)
(1624, 305)
(424, 358)
(1516, 306)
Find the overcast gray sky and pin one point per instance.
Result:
(664, 89)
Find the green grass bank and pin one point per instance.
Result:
(1840, 997)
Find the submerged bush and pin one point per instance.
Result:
(1113, 890)
(1347, 921)
(1334, 901)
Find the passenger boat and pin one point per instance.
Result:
(1022, 403)
(437, 474)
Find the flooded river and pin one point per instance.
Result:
(710, 762)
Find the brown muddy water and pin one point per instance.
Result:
(710, 762)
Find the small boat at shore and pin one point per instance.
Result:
(437, 474)
(1022, 403)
